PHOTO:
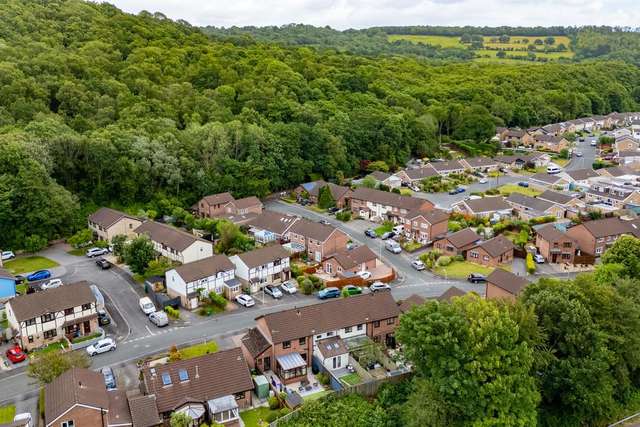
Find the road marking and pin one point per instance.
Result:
(149, 329)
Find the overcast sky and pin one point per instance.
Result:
(343, 14)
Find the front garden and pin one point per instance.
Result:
(507, 189)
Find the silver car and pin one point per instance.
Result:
(159, 318)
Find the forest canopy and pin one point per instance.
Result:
(99, 107)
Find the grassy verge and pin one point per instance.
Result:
(405, 192)
(29, 263)
(462, 269)
(7, 413)
(256, 417)
(86, 338)
(514, 188)
(21, 289)
(198, 350)
(384, 228)
(351, 379)
(315, 208)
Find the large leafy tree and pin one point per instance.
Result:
(625, 251)
(139, 253)
(474, 361)
(47, 366)
(325, 198)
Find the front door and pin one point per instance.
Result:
(87, 327)
(390, 341)
(266, 363)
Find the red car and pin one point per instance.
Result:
(16, 355)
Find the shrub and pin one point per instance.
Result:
(284, 411)
(344, 216)
(396, 190)
(443, 261)
(217, 300)
(272, 416)
(307, 287)
(81, 238)
(317, 283)
(174, 354)
(274, 403)
(458, 258)
(174, 313)
(531, 266)
(296, 272)
(323, 378)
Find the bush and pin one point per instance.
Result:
(296, 272)
(274, 403)
(396, 190)
(344, 216)
(205, 311)
(35, 243)
(531, 266)
(323, 378)
(443, 261)
(272, 416)
(81, 238)
(284, 411)
(174, 313)
(217, 300)
(458, 258)
(307, 287)
(317, 283)
(174, 354)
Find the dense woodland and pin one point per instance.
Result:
(100, 107)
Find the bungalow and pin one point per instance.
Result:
(107, 223)
(78, 397)
(503, 284)
(483, 207)
(384, 178)
(580, 177)
(492, 252)
(543, 180)
(283, 342)
(7, 285)
(41, 318)
(447, 168)
(621, 133)
(615, 196)
(424, 226)
(519, 161)
(628, 158)
(480, 164)
(209, 388)
(530, 207)
(594, 237)
(411, 176)
(550, 142)
(567, 200)
(620, 172)
(316, 239)
(380, 205)
(311, 190)
(517, 137)
(194, 280)
(256, 268)
(175, 244)
(224, 204)
(457, 243)
(555, 246)
(270, 226)
(552, 129)
(349, 262)
(625, 143)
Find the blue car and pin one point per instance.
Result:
(329, 293)
(456, 191)
(39, 275)
(523, 184)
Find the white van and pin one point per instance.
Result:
(551, 169)
(393, 246)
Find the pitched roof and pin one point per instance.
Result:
(507, 281)
(487, 204)
(551, 234)
(628, 154)
(546, 178)
(28, 306)
(532, 203)
(462, 238)
(607, 227)
(106, 217)
(451, 293)
(210, 376)
(497, 246)
(144, 411)
(582, 174)
(255, 342)
(247, 202)
(167, 235)
(421, 173)
(618, 195)
(556, 197)
(617, 171)
(207, 267)
(414, 299)
(350, 258)
(218, 199)
(313, 230)
(478, 162)
(434, 216)
(332, 347)
(262, 256)
(328, 316)
(447, 166)
(515, 133)
(388, 198)
(379, 175)
(337, 191)
(75, 386)
(274, 222)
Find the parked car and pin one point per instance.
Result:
(289, 287)
(417, 264)
(398, 229)
(102, 346)
(457, 190)
(7, 255)
(20, 279)
(109, 378)
(539, 259)
(103, 264)
(333, 210)
(378, 287)
(51, 284)
(245, 300)
(387, 235)
(593, 143)
(415, 188)
(93, 252)
(370, 232)
(329, 293)
(146, 305)
(393, 247)
(23, 419)
(578, 154)
(324, 221)
(476, 278)
(364, 274)
(103, 318)
(553, 169)
(159, 318)
(352, 290)
(524, 184)
(39, 275)
(274, 291)
(483, 180)
(15, 354)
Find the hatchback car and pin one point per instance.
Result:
(378, 287)
(366, 275)
(578, 154)
(417, 264)
(93, 252)
(146, 305)
(483, 180)
(387, 235)
(39, 275)
(103, 264)
(159, 318)
(329, 293)
(370, 232)
(289, 287)
(333, 210)
(109, 378)
(476, 278)
(523, 184)
(16, 355)
(51, 284)
(245, 300)
(274, 291)
(7, 255)
(352, 290)
(103, 318)
(102, 346)
(539, 259)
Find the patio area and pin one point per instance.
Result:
(305, 387)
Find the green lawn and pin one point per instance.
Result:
(7, 413)
(198, 350)
(252, 416)
(351, 379)
(515, 188)
(405, 192)
(442, 41)
(384, 228)
(316, 396)
(29, 263)
(317, 209)
(21, 289)
(411, 246)
(59, 345)
(462, 269)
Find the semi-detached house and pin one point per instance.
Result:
(225, 205)
(594, 237)
(381, 205)
(483, 207)
(106, 223)
(424, 226)
(317, 240)
(175, 244)
(256, 268)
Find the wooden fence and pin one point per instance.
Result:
(584, 259)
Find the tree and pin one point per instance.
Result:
(504, 38)
(47, 366)
(138, 254)
(470, 353)
(180, 419)
(34, 243)
(369, 182)
(81, 238)
(231, 239)
(378, 165)
(325, 198)
(118, 243)
(564, 153)
(626, 252)
(465, 38)
(501, 54)
(538, 42)
(549, 41)
(352, 410)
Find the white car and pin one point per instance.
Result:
(417, 264)
(593, 143)
(483, 180)
(364, 274)
(102, 346)
(379, 286)
(23, 419)
(289, 287)
(539, 259)
(51, 284)
(97, 252)
(146, 305)
(6, 255)
(578, 154)
(245, 300)
(159, 318)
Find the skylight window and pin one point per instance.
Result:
(166, 378)
(183, 375)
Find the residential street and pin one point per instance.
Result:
(588, 155)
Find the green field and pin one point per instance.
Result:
(442, 41)
(28, 264)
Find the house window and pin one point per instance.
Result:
(376, 324)
(30, 322)
(391, 321)
(68, 311)
(598, 250)
(359, 327)
(86, 307)
(330, 334)
(47, 317)
(328, 267)
(50, 334)
(566, 256)
(486, 258)
(302, 341)
(347, 330)
(30, 338)
(474, 254)
(286, 344)
(566, 245)
(69, 423)
(239, 396)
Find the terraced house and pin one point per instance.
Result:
(379, 205)
(256, 268)
(107, 223)
(175, 244)
(317, 240)
(424, 226)
(412, 176)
